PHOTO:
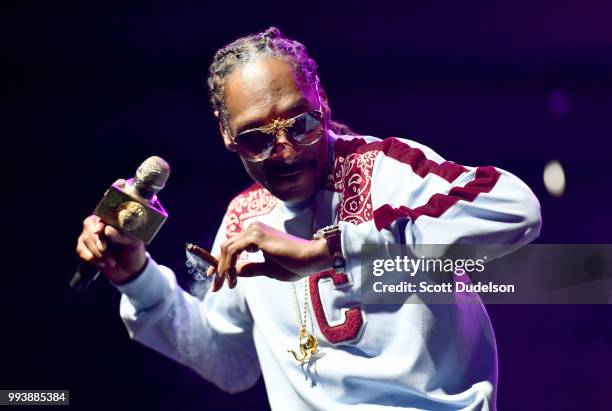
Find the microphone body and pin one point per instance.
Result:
(131, 207)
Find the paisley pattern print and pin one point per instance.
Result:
(352, 176)
(253, 202)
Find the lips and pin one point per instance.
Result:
(280, 170)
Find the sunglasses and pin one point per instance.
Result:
(256, 144)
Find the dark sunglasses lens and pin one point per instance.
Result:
(307, 129)
(254, 145)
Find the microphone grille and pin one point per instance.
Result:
(152, 175)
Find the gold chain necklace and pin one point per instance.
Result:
(309, 345)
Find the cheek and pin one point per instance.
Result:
(255, 170)
(319, 153)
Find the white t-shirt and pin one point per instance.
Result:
(411, 356)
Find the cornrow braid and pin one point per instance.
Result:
(268, 43)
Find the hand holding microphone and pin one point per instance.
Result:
(117, 255)
(127, 218)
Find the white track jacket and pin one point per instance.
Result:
(411, 356)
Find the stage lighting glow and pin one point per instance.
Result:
(554, 178)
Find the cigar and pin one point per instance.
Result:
(203, 254)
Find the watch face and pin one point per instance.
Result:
(337, 261)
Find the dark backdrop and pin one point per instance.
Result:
(91, 89)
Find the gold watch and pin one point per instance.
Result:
(332, 234)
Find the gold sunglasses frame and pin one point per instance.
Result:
(280, 124)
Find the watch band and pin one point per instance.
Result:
(333, 236)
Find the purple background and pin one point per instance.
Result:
(91, 89)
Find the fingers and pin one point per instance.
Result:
(257, 236)
(119, 263)
(219, 278)
(89, 250)
(250, 269)
(227, 258)
(230, 250)
(230, 277)
(100, 231)
(93, 224)
(267, 268)
(92, 245)
(93, 227)
(83, 252)
(217, 282)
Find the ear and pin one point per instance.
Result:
(227, 140)
(325, 102)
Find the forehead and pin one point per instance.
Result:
(263, 89)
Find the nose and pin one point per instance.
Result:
(283, 149)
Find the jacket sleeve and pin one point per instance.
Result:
(419, 198)
(213, 336)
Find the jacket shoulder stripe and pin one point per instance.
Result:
(438, 204)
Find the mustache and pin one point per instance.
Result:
(279, 167)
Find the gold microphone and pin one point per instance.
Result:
(131, 207)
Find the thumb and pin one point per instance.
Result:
(250, 269)
(267, 268)
(118, 237)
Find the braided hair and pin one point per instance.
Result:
(268, 43)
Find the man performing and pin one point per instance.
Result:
(295, 316)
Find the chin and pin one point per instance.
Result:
(293, 189)
(293, 198)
